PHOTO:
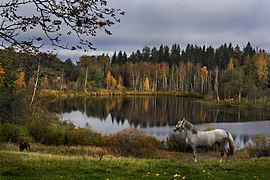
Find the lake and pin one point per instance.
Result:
(156, 115)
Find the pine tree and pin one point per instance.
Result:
(114, 58)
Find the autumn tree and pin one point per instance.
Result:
(261, 63)
(57, 20)
(119, 85)
(204, 77)
(163, 74)
(110, 81)
(44, 83)
(2, 74)
(146, 84)
(19, 84)
(58, 82)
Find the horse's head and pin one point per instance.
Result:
(179, 126)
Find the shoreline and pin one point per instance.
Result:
(229, 103)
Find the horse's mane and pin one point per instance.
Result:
(191, 127)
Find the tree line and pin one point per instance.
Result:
(225, 72)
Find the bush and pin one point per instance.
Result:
(13, 133)
(133, 142)
(176, 142)
(259, 147)
(82, 136)
(46, 128)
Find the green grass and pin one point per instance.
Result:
(36, 165)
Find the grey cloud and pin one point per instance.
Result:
(208, 22)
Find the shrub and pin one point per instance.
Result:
(13, 133)
(176, 142)
(133, 142)
(259, 147)
(46, 128)
(82, 136)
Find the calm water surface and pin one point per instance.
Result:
(157, 115)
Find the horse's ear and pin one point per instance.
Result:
(184, 119)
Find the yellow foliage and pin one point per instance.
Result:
(120, 84)
(232, 63)
(19, 84)
(261, 62)
(45, 82)
(146, 84)
(204, 73)
(113, 82)
(2, 72)
(31, 82)
(58, 79)
(110, 81)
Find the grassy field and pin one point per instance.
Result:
(58, 165)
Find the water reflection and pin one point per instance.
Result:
(156, 115)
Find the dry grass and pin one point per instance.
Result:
(101, 152)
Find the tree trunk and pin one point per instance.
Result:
(86, 78)
(36, 84)
(216, 84)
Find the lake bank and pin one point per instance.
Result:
(102, 92)
(261, 103)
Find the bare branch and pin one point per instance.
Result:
(57, 19)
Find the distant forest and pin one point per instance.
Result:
(226, 72)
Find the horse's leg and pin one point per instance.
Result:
(221, 155)
(223, 150)
(194, 153)
(227, 151)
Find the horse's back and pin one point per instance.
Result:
(220, 135)
(214, 136)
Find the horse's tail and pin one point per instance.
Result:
(231, 143)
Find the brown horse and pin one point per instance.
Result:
(24, 146)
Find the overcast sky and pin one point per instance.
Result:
(200, 22)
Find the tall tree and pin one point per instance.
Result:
(146, 84)
(248, 50)
(160, 53)
(146, 53)
(175, 54)
(261, 63)
(216, 82)
(114, 58)
(154, 55)
(204, 78)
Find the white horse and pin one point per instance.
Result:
(197, 138)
